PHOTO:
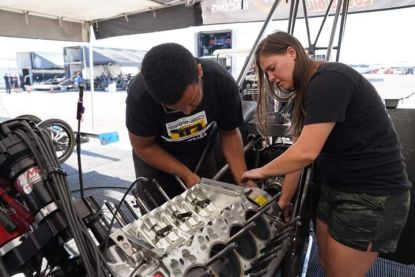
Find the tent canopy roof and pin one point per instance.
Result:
(69, 21)
(84, 11)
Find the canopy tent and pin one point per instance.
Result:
(46, 60)
(69, 21)
(123, 57)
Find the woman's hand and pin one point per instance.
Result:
(249, 184)
(254, 174)
(286, 209)
(284, 205)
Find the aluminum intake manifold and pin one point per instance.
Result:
(212, 229)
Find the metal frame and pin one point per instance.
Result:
(341, 11)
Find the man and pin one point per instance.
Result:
(172, 107)
(7, 82)
(79, 81)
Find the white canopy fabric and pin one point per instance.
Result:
(83, 11)
(69, 20)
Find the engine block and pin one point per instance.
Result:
(212, 229)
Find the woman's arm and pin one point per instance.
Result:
(300, 154)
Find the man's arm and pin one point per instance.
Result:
(152, 154)
(233, 151)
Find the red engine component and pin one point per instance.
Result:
(10, 232)
(15, 219)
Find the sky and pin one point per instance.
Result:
(386, 37)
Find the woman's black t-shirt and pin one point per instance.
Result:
(363, 152)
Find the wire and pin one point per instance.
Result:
(211, 141)
(86, 245)
(135, 269)
(40, 146)
(118, 208)
(99, 187)
(45, 272)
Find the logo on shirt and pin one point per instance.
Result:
(192, 127)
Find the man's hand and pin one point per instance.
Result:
(191, 179)
(254, 174)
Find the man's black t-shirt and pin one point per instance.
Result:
(363, 152)
(180, 134)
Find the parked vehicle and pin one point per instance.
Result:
(55, 84)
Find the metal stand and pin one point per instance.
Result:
(79, 112)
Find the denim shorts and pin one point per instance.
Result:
(358, 220)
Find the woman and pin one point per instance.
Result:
(339, 121)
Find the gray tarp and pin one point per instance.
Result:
(13, 24)
(158, 20)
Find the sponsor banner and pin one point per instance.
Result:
(233, 11)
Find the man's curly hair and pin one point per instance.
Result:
(167, 71)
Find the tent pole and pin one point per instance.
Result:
(333, 30)
(91, 72)
(250, 58)
(342, 28)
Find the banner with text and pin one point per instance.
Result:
(233, 11)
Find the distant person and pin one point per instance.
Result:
(15, 83)
(79, 81)
(103, 81)
(340, 122)
(28, 83)
(172, 106)
(22, 82)
(7, 82)
(27, 80)
(228, 42)
(211, 45)
(103, 77)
